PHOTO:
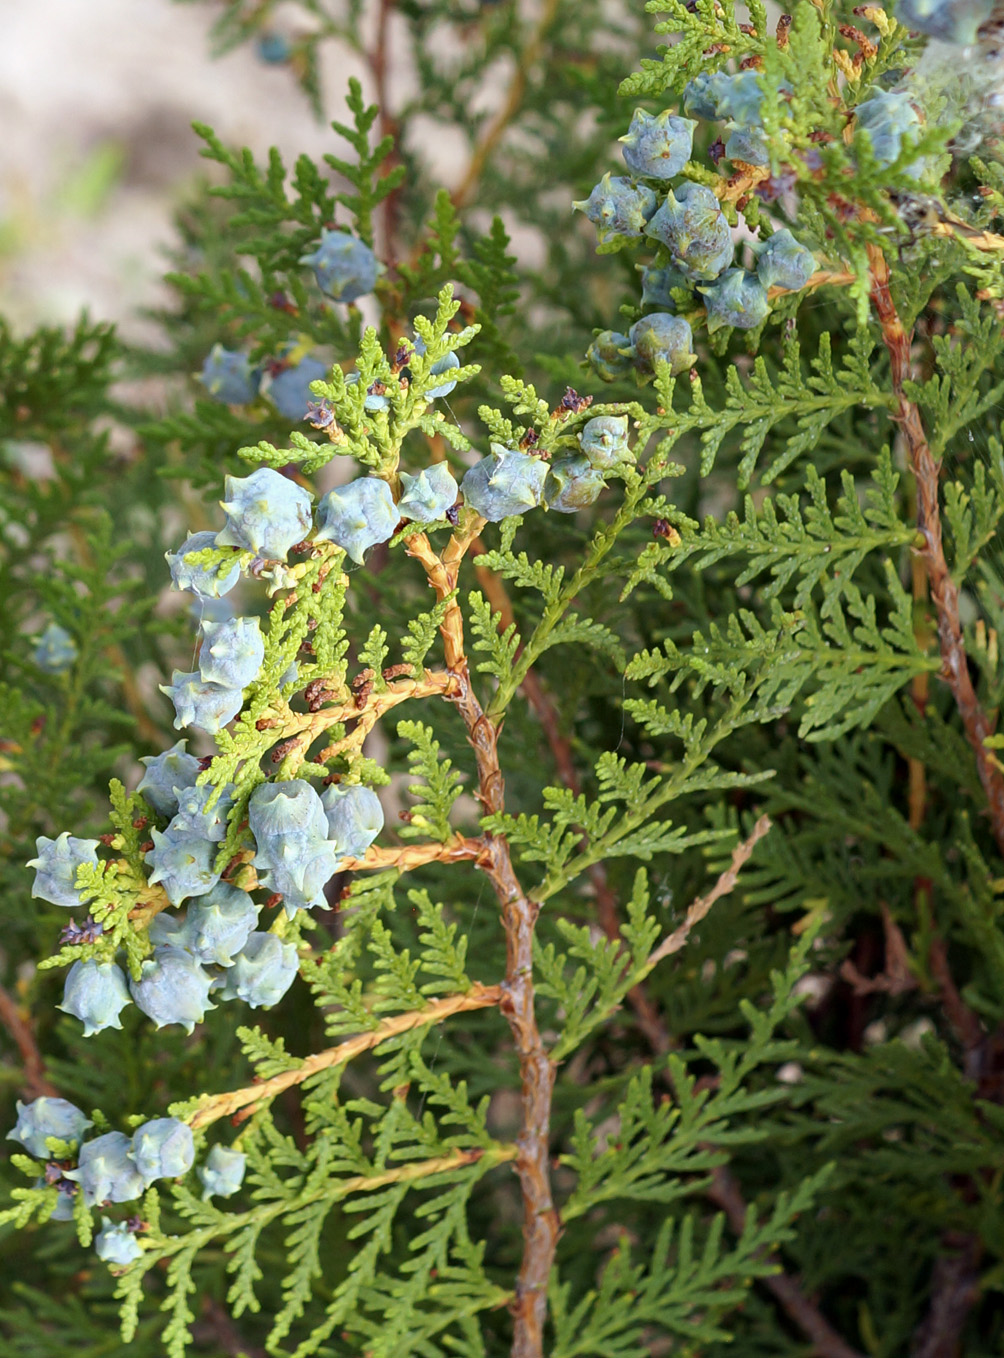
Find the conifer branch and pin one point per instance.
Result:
(543, 707)
(244, 1102)
(541, 1224)
(442, 573)
(405, 857)
(944, 591)
(303, 728)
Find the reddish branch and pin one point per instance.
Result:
(786, 1289)
(34, 1084)
(944, 591)
(724, 1193)
(955, 1289)
(541, 1226)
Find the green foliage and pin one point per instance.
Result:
(575, 973)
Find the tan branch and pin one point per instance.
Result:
(244, 1102)
(424, 1169)
(541, 1224)
(305, 727)
(527, 59)
(698, 908)
(442, 573)
(944, 591)
(405, 857)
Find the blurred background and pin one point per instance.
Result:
(96, 106)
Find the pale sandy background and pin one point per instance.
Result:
(96, 147)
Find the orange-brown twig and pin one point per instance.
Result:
(244, 1102)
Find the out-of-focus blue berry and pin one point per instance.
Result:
(193, 821)
(701, 95)
(196, 703)
(165, 775)
(354, 816)
(289, 810)
(228, 376)
(219, 924)
(662, 336)
(55, 650)
(426, 497)
(747, 144)
(56, 867)
(740, 97)
(572, 484)
(890, 123)
(96, 993)
(657, 146)
(344, 266)
(63, 1210)
(618, 206)
(223, 1173)
(46, 1117)
(172, 988)
(657, 286)
(105, 1170)
(232, 652)
(357, 516)
(183, 865)
(163, 1149)
(262, 972)
(954, 21)
(266, 514)
(692, 225)
(201, 580)
(610, 355)
(504, 483)
(116, 1244)
(783, 263)
(273, 48)
(442, 365)
(604, 442)
(737, 298)
(289, 391)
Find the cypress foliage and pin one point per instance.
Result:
(668, 1014)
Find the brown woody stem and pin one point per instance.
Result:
(784, 1287)
(944, 591)
(541, 1225)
